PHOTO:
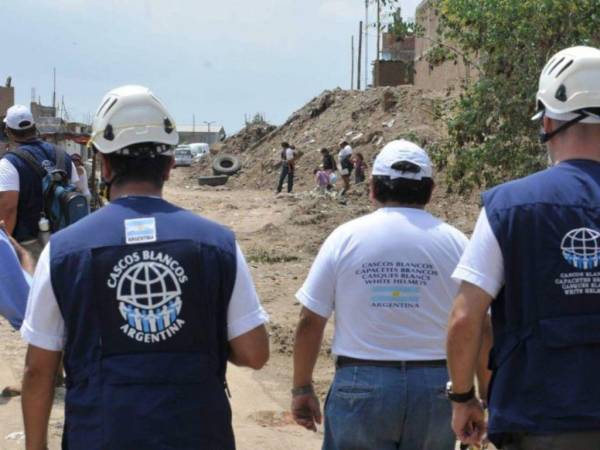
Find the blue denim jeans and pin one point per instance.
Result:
(388, 408)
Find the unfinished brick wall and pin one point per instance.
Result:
(442, 77)
(392, 73)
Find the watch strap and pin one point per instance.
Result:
(461, 397)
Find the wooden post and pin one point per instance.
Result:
(360, 27)
(352, 64)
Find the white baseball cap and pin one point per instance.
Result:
(18, 117)
(402, 151)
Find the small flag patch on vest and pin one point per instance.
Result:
(138, 231)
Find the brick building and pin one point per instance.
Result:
(396, 64)
(441, 77)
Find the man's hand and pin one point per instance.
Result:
(307, 411)
(468, 422)
(24, 256)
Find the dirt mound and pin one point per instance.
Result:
(247, 138)
(366, 119)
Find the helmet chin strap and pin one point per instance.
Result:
(545, 137)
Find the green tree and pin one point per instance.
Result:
(507, 42)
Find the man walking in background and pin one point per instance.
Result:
(21, 193)
(386, 276)
(535, 258)
(287, 167)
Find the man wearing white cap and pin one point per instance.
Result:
(21, 199)
(386, 276)
(535, 258)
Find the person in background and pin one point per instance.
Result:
(322, 179)
(346, 166)
(360, 168)
(83, 183)
(287, 167)
(21, 199)
(387, 278)
(329, 166)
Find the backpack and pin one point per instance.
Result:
(62, 204)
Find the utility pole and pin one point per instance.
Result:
(193, 124)
(378, 27)
(360, 35)
(54, 90)
(352, 64)
(366, 43)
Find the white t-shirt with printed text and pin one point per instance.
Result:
(44, 326)
(387, 277)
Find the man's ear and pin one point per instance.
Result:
(547, 125)
(372, 193)
(106, 167)
(168, 169)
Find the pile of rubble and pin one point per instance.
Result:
(366, 119)
(252, 134)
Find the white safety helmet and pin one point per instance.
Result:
(569, 88)
(131, 115)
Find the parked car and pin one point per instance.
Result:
(183, 157)
(199, 150)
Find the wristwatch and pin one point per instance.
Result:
(459, 397)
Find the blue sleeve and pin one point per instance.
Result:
(14, 285)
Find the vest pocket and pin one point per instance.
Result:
(570, 331)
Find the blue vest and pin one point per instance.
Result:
(30, 186)
(146, 327)
(546, 320)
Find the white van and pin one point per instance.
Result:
(199, 150)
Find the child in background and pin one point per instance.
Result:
(322, 179)
(360, 167)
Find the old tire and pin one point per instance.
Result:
(226, 165)
(217, 180)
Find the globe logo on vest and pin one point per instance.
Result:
(148, 289)
(581, 248)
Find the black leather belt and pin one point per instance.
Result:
(345, 361)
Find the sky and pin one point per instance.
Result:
(217, 61)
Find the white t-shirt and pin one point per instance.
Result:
(44, 326)
(82, 183)
(9, 176)
(387, 276)
(344, 153)
(482, 264)
(289, 154)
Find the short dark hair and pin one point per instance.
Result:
(402, 190)
(343, 143)
(285, 144)
(146, 169)
(324, 150)
(22, 134)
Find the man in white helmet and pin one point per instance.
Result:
(535, 259)
(147, 301)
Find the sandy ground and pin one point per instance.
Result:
(260, 400)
